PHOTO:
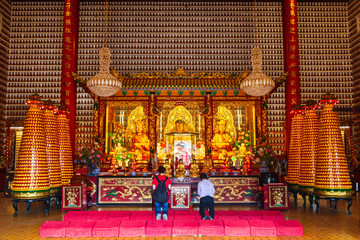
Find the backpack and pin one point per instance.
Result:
(161, 194)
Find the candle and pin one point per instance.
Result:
(160, 123)
(199, 124)
(239, 117)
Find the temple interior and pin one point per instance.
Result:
(261, 96)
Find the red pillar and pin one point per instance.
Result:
(291, 62)
(69, 62)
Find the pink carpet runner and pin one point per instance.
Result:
(180, 223)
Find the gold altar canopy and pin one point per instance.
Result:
(179, 114)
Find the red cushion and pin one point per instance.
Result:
(227, 215)
(131, 228)
(119, 215)
(236, 227)
(272, 215)
(97, 216)
(158, 228)
(262, 228)
(184, 215)
(53, 229)
(76, 216)
(106, 229)
(289, 228)
(250, 215)
(79, 229)
(141, 215)
(211, 228)
(185, 227)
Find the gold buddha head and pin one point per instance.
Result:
(179, 124)
(221, 126)
(140, 126)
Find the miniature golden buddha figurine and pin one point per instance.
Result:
(168, 169)
(180, 170)
(194, 170)
(242, 149)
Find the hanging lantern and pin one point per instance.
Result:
(309, 148)
(257, 84)
(332, 177)
(31, 180)
(293, 168)
(104, 84)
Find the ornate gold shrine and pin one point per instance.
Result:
(168, 105)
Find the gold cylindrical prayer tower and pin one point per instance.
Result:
(309, 148)
(295, 148)
(332, 174)
(31, 180)
(52, 148)
(65, 151)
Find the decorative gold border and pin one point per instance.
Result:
(30, 195)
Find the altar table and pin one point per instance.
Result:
(120, 189)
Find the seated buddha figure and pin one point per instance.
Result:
(194, 169)
(181, 127)
(180, 170)
(221, 143)
(168, 169)
(141, 144)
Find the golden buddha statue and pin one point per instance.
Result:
(194, 170)
(141, 140)
(222, 139)
(180, 170)
(168, 169)
(140, 143)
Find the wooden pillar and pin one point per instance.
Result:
(291, 62)
(69, 63)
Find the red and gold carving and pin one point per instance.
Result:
(52, 149)
(235, 190)
(118, 190)
(309, 150)
(332, 174)
(291, 61)
(180, 196)
(293, 168)
(276, 196)
(65, 153)
(31, 179)
(74, 197)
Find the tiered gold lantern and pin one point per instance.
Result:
(293, 168)
(332, 174)
(65, 153)
(31, 180)
(309, 148)
(52, 148)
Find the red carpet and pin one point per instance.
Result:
(143, 223)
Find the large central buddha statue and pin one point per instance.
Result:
(222, 139)
(224, 135)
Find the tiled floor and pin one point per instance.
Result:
(328, 224)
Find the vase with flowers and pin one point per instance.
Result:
(92, 157)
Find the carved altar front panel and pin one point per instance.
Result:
(120, 190)
(235, 189)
